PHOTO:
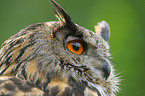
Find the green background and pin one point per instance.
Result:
(125, 17)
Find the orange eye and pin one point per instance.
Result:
(76, 46)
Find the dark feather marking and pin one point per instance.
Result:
(61, 63)
(47, 81)
(46, 93)
(32, 76)
(23, 50)
(16, 81)
(54, 91)
(34, 26)
(78, 87)
(10, 87)
(32, 38)
(34, 85)
(4, 69)
(72, 92)
(80, 69)
(25, 88)
(12, 44)
(45, 89)
(8, 60)
(7, 95)
(19, 84)
(24, 73)
(30, 84)
(38, 81)
(21, 33)
(67, 92)
(14, 70)
(8, 53)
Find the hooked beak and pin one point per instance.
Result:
(106, 68)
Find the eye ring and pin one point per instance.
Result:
(76, 46)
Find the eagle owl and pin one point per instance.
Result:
(58, 58)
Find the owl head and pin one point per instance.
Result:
(81, 50)
(83, 54)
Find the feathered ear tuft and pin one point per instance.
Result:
(103, 29)
(62, 14)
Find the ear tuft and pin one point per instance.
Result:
(103, 29)
(63, 16)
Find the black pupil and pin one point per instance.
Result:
(76, 45)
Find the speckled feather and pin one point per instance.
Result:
(36, 61)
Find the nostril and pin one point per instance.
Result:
(106, 68)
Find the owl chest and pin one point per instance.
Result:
(68, 87)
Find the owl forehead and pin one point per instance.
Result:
(90, 36)
(86, 35)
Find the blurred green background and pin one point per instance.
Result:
(126, 19)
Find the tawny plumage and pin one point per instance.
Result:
(58, 58)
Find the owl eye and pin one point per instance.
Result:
(76, 46)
